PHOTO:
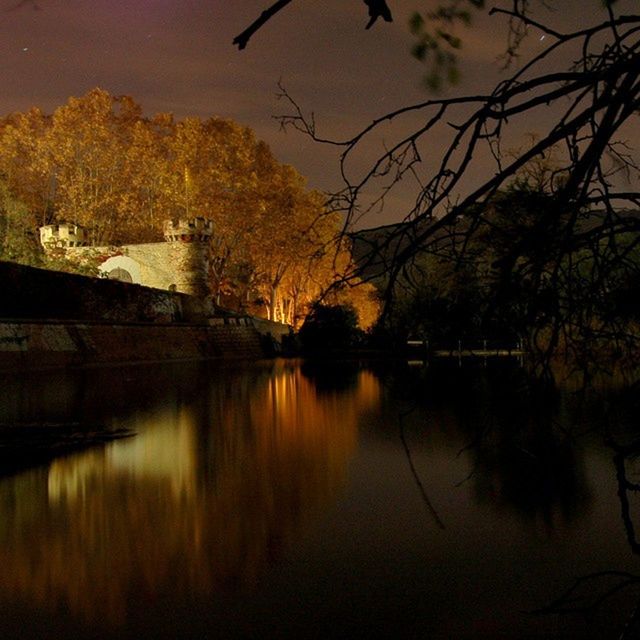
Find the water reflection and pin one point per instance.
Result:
(284, 501)
(541, 475)
(518, 438)
(329, 375)
(611, 592)
(218, 480)
(525, 456)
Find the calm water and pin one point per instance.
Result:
(286, 501)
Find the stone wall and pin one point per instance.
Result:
(38, 293)
(28, 345)
(52, 319)
(160, 265)
(180, 263)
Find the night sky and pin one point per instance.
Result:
(176, 55)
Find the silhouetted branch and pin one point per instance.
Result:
(243, 38)
(589, 592)
(573, 601)
(566, 250)
(377, 9)
(414, 472)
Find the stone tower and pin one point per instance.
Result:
(63, 235)
(189, 254)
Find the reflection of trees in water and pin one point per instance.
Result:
(524, 444)
(199, 501)
(519, 436)
(95, 394)
(523, 449)
(525, 456)
(537, 473)
(610, 594)
(606, 593)
(329, 375)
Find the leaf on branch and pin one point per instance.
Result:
(416, 23)
(436, 43)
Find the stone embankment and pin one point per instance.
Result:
(64, 343)
(52, 319)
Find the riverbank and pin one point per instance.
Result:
(25, 445)
(29, 344)
(51, 319)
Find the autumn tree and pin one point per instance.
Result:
(227, 178)
(25, 164)
(287, 236)
(98, 162)
(147, 174)
(18, 230)
(87, 144)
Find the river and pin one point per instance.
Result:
(290, 500)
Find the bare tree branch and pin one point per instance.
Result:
(377, 9)
(243, 38)
(592, 99)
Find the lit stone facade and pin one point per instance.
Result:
(188, 247)
(181, 263)
(62, 235)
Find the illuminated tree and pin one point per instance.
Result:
(25, 163)
(88, 143)
(146, 173)
(286, 238)
(98, 162)
(18, 239)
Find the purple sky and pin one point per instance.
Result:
(176, 55)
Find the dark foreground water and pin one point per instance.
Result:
(287, 501)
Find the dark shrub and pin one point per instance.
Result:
(330, 328)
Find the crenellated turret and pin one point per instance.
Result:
(181, 263)
(63, 235)
(192, 230)
(189, 248)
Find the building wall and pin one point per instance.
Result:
(171, 266)
(180, 263)
(150, 264)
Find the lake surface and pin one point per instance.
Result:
(291, 500)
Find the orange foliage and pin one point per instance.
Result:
(98, 162)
